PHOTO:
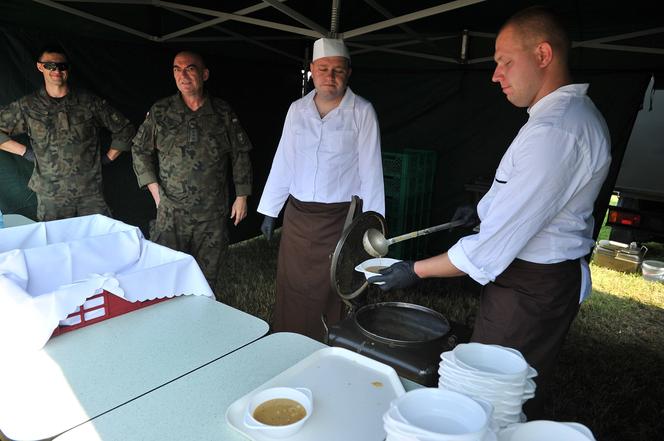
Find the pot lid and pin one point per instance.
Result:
(349, 252)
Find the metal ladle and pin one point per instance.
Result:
(376, 245)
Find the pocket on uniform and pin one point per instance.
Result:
(39, 124)
(83, 126)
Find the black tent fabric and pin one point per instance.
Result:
(451, 108)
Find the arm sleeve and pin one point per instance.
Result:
(241, 162)
(370, 162)
(116, 123)
(278, 182)
(143, 152)
(546, 174)
(11, 121)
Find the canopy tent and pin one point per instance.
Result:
(425, 65)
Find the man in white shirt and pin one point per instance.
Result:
(536, 219)
(328, 152)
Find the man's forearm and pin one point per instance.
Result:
(154, 191)
(113, 153)
(14, 147)
(437, 266)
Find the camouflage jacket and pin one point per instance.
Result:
(188, 154)
(64, 133)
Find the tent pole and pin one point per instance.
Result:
(334, 19)
(305, 71)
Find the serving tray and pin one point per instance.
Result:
(350, 395)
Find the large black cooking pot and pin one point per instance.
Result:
(408, 337)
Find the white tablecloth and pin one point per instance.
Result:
(56, 265)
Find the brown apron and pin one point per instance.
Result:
(530, 307)
(310, 233)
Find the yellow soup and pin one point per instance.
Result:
(279, 412)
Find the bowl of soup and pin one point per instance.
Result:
(279, 412)
(372, 267)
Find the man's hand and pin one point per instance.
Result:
(398, 276)
(105, 160)
(239, 209)
(267, 227)
(29, 154)
(467, 214)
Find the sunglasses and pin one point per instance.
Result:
(53, 66)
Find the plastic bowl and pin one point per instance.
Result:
(443, 412)
(382, 262)
(544, 430)
(653, 270)
(299, 394)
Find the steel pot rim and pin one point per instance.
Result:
(405, 305)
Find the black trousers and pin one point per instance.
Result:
(530, 307)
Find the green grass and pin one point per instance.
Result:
(610, 373)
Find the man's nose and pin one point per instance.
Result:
(497, 74)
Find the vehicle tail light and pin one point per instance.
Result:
(622, 218)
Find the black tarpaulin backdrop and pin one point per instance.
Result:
(458, 112)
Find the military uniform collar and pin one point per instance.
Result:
(71, 96)
(205, 109)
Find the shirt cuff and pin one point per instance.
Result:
(4, 138)
(146, 178)
(120, 145)
(459, 259)
(243, 190)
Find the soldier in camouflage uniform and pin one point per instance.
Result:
(63, 127)
(182, 153)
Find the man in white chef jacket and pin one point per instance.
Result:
(536, 219)
(328, 152)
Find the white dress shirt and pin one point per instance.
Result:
(327, 159)
(539, 207)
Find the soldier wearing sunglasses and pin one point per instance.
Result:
(63, 125)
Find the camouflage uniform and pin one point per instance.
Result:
(188, 153)
(64, 134)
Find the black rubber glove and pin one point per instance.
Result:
(105, 160)
(29, 154)
(467, 214)
(398, 276)
(267, 227)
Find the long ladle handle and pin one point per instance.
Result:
(425, 231)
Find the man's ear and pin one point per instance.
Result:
(40, 67)
(206, 74)
(544, 53)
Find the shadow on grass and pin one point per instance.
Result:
(609, 377)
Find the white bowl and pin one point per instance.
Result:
(299, 394)
(440, 414)
(494, 361)
(543, 430)
(377, 262)
(653, 270)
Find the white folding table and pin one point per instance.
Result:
(16, 220)
(84, 373)
(194, 406)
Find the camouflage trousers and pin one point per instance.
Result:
(205, 240)
(56, 207)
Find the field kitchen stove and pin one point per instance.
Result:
(408, 337)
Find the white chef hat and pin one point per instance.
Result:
(330, 47)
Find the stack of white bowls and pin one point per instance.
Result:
(431, 414)
(492, 373)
